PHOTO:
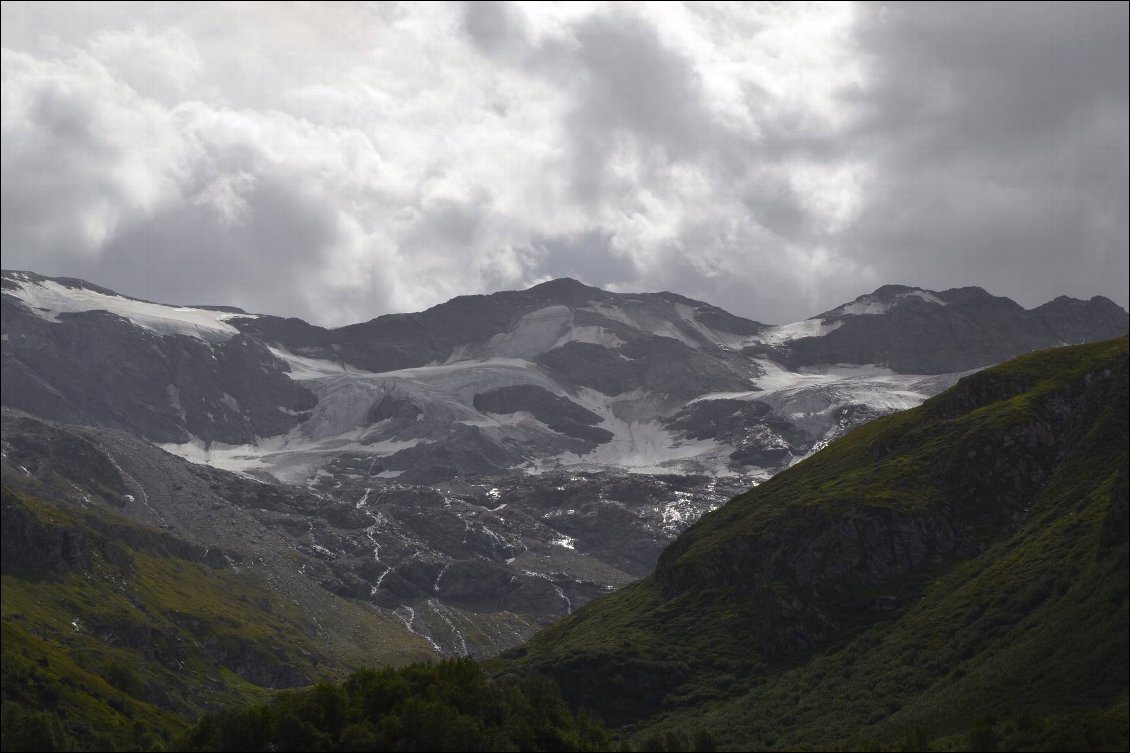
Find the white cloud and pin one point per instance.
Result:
(340, 161)
(82, 154)
(163, 65)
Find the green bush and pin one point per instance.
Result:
(447, 706)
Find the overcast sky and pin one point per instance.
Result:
(337, 162)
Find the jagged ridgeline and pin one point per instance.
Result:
(954, 575)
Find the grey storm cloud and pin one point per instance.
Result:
(625, 86)
(276, 242)
(341, 161)
(586, 256)
(998, 133)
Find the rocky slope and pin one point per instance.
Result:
(115, 633)
(956, 573)
(463, 570)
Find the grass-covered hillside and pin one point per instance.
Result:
(116, 635)
(953, 576)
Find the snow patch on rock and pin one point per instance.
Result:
(871, 306)
(785, 333)
(50, 299)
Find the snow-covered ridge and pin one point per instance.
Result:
(50, 299)
(554, 326)
(535, 333)
(869, 305)
(679, 322)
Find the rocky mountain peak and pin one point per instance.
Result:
(891, 292)
(562, 285)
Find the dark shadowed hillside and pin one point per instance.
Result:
(954, 575)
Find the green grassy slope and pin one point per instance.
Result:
(954, 575)
(115, 635)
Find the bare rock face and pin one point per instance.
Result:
(1074, 321)
(558, 413)
(30, 546)
(922, 332)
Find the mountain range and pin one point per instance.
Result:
(558, 376)
(201, 505)
(483, 467)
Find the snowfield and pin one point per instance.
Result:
(810, 400)
(871, 306)
(49, 299)
(784, 333)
